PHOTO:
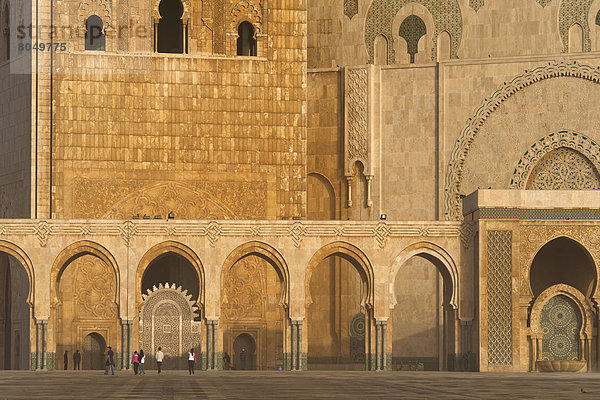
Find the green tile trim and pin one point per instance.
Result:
(539, 214)
(50, 361)
(33, 361)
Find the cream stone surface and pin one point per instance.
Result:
(308, 206)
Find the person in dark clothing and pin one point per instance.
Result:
(66, 359)
(110, 361)
(226, 361)
(76, 360)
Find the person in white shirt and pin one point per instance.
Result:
(159, 358)
(191, 361)
(142, 358)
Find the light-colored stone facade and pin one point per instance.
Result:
(362, 124)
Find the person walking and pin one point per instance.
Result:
(110, 361)
(191, 361)
(76, 360)
(142, 358)
(159, 358)
(136, 362)
(66, 359)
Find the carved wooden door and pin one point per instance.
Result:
(167, 334)
(92, 354)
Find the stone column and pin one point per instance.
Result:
(124, 344)
(209, 339)
(377, 345)
(38, 345)
(300, 361)
(129, 344)
(214, 343)
(384, 341)
(294, 349)
(44, 342)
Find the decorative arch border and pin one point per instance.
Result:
(360, 261)
(381, 14)
(490, 104)
(187, 10)
(76, 250)
(435, 251)
(101, 8)
(246, 10)
(526, 268)
(555, 140)
(584, 305)
(18, 253)
(163, 248)
(268, 253)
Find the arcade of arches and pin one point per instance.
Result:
(497, 292)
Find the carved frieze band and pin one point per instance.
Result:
(490, 104)
(213, 230)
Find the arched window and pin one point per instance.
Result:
(170, 27)
(598, 18)
(381, 50)
(246, 43)
(5, 23)
(412, 30)
(576, 39)
(95, 39)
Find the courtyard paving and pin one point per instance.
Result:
(296, 385)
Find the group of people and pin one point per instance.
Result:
(76, 360)
(139, 360)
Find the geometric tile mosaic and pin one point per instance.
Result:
(499, 288)
(560, 322)
(446, 17)
(539, 213)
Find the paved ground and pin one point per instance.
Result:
(296, 385)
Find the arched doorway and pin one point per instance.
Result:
(338, 309)
(92, 351)
(15, 314)
(422, 319)
(86, 298)
(254, 306)
(562, 281)
(170, 283)
(244, 352)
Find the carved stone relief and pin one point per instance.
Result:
(96, 198)
(246, 10)
(350, 8)
(167, 320)
(357, 115)
(101, 8)
(574, 12)
(452, 203)
(578, 162)
(244, 292)
(94, 289)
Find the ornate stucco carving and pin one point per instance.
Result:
(574, 12)
(357, 97)
(480, 115)
(243, 290)
(536, 236)
(160, 199)
(101, 8)
(97, 198)
(446, 15)
(246, 10)
(167, 319)
(476, 4)
(561, 139)
(95, 285)
(350, 8)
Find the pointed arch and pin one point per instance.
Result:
(76, 250)
(268, 253)
(450, 270)
(18, 253)
(352, 254)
